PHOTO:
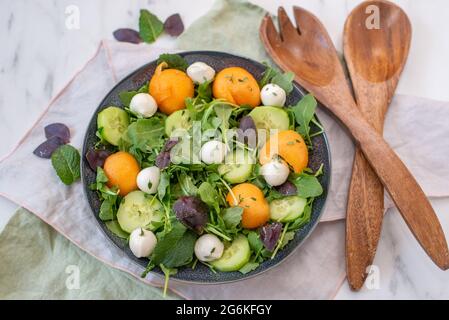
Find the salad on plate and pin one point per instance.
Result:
(206, 166)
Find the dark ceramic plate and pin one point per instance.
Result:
(218, 60)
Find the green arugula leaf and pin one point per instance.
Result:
(308, 186)
(187, 186)
(300, 221)
(192, 109)
(273, 194)
(66, 162)
(144, 134)
(254, 242)
(209, 195)
(100, 185)
(175, 249)
(99, 135)
(174, 61)
(267, 75)
(126, 96)
(114, 227)
(150, 27)
(223, 113)
(150, 266)
(283, 80)
(250, 266)
(101, 177)
(304, 112)
(164, 182)
(107, 210)
(289, 236)
(232, 218)
(204, 91)
(167, 273)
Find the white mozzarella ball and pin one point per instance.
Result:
(143, 104)
(148, 179)
(142, 242)
(273, 95)
(213, 152)
(200, 72)
(208, 248)
(275, 172)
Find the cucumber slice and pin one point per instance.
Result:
(138, 210)
(112, 122)
(238, 167)
(235, 256)
(287, 209)
(268, 118)
(180, 119)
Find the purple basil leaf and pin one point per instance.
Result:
(96, 158)
(127, 35)
(170, 144)
(192, 212)
(174, 25)
(57, 130)
(287, 189)
(46, 149)
(163, 160)
(269, 234)
(247, 133)
(247, 123)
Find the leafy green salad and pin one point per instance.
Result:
(206, 166)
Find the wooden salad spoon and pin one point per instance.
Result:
(309, 53)
(375, 58)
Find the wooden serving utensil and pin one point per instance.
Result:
(309, 53)
(375, 59)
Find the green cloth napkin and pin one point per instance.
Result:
(230, 26)
(35, 258)
(38, 263)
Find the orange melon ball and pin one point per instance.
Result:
(121, 169)
(237, 86)
(256, 210)
(289, 145)
(170, 88)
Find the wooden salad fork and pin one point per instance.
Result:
(309, 53)
(375, 60)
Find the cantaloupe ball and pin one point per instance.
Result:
(237, 86)
(170, 88)
(256, 210)
(121, 169)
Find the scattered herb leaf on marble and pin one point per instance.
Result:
(59, 130)
(150, 27)
(66, 162)
(173, 25)
(127, 35)
(46, 148)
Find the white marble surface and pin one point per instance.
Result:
(39, 55)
